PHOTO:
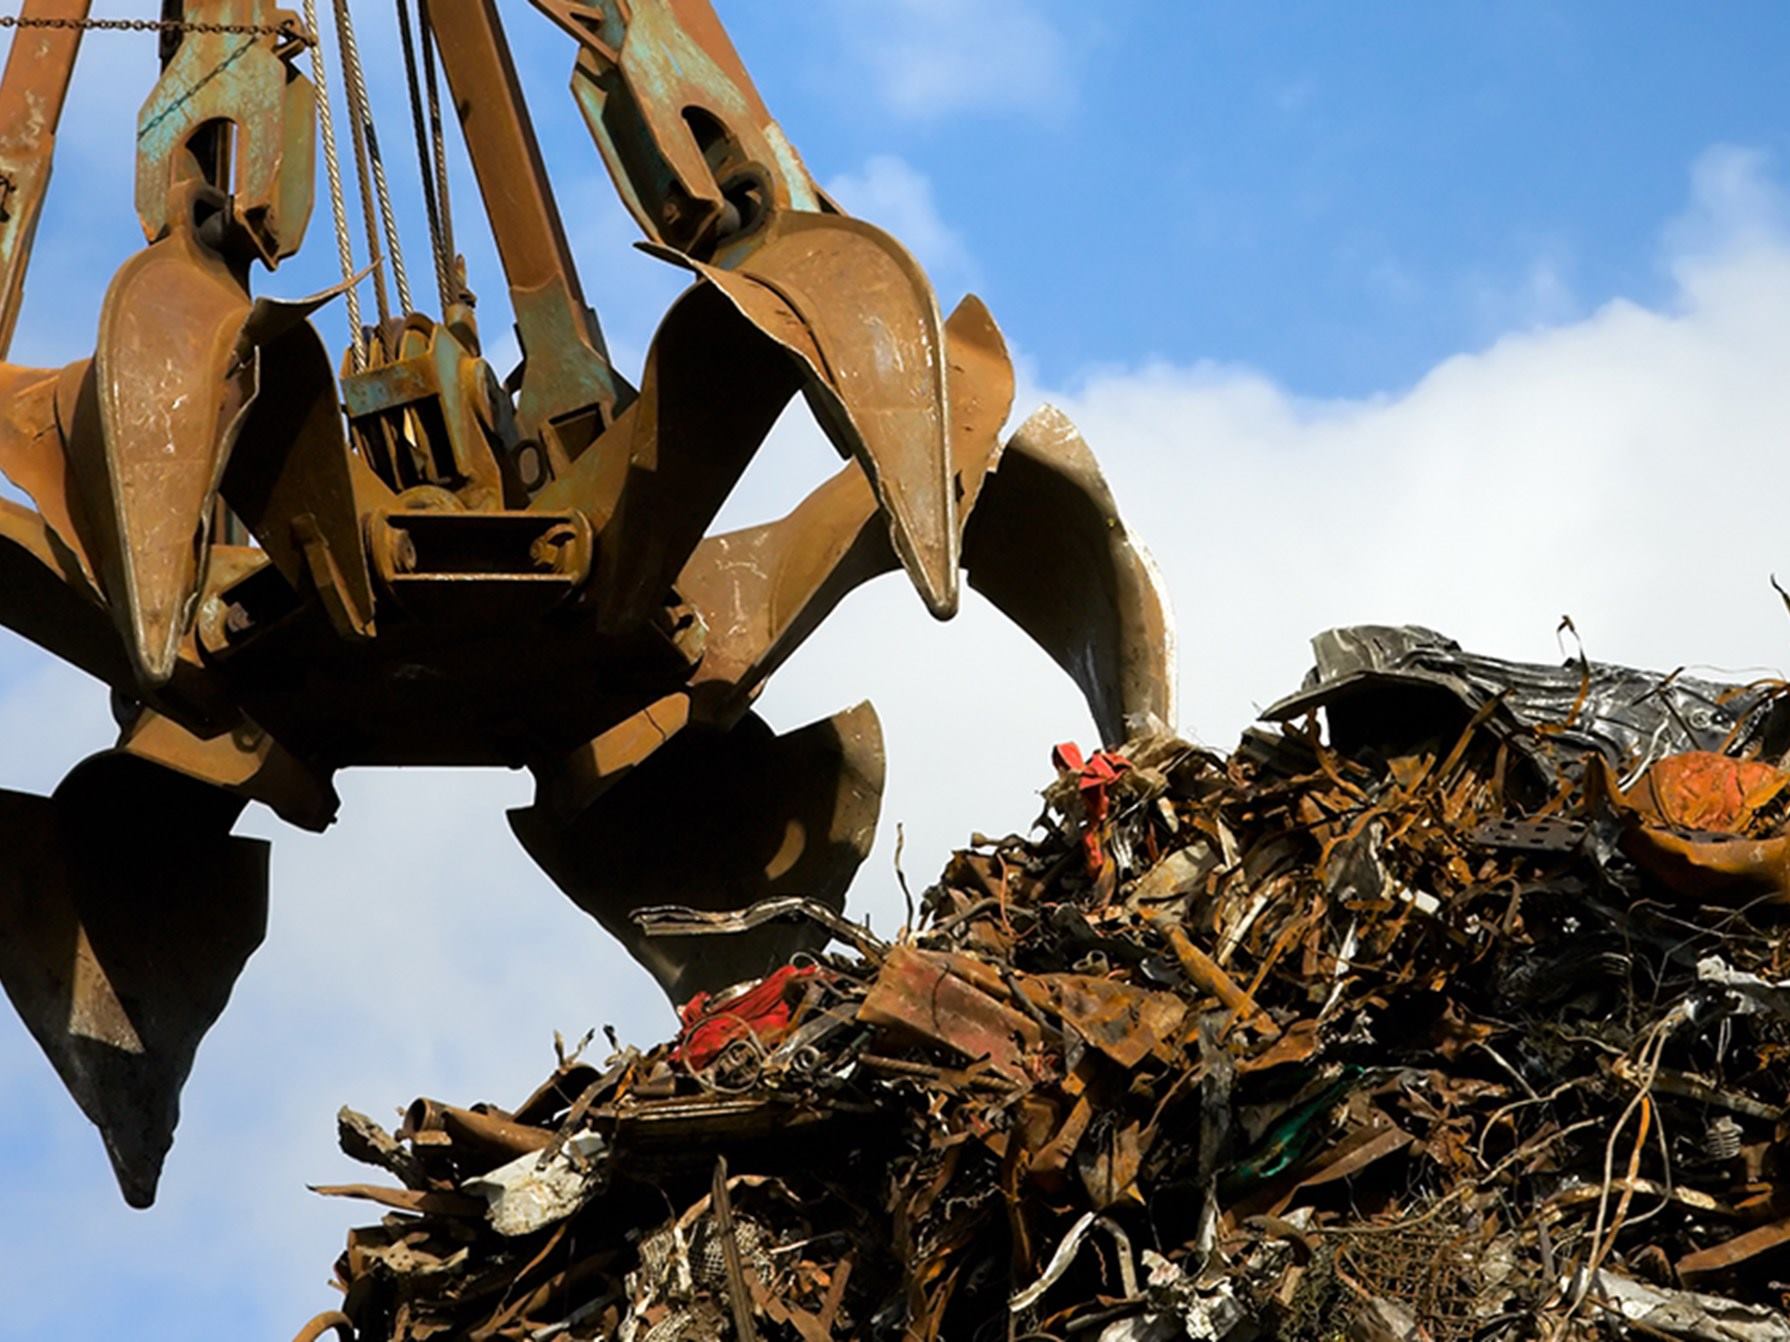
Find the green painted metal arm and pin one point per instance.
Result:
(693, 150)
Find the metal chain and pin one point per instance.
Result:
(288, 30)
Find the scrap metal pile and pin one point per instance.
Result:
(1464, 1014)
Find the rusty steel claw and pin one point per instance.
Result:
(50, 575)
(724, 362)
(225, 158)
(187, 365)
(1042, 539)
(780, 815)
(171, 386)
(856, 313)
(1046, 545)
(117, 964)
(716, 185)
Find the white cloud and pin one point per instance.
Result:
(1626, 467)
(935, 58)
(1736, 206)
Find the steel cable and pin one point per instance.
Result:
(332, 170)
(425, 162)
(368, 161)
(364, 180)
(443, 201)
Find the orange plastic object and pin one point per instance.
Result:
(1704, 791)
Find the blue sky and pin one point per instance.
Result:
(1336, 194)
(1468, 315)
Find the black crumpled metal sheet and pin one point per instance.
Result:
(1365, 676)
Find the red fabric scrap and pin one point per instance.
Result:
(763, 1012)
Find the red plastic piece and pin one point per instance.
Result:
(1094, 775)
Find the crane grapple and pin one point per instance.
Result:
(286, 563)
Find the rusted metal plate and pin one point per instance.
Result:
(1124, 1022)
(919, 994)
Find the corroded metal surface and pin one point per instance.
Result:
(32, 92)
(284, 566)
